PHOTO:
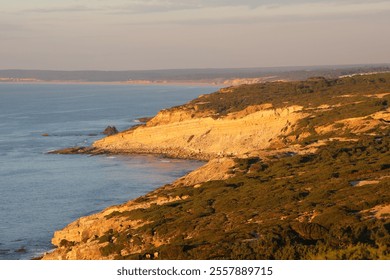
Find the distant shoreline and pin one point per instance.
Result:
(218, 82)
(178, 83)
(188, 77)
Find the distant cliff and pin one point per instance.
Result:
(296, 170)
(228, 76)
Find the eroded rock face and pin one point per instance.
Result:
(205, 138)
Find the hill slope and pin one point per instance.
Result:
(296, 170)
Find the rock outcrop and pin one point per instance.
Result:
(276, 184)
(178, 135)
(110, 130)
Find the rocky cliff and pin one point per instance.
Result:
(295, 170)
(177, 134)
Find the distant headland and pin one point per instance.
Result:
(207, 76)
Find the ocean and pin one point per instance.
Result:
(41, 193)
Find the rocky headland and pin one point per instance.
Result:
(295, 170)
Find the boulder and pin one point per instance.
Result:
(110, 130)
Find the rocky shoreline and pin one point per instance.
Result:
(93, 151)
(277, 183)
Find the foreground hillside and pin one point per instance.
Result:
(296, 170)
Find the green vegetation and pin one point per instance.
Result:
(324, 101)
(321, 205)
(310, 93)
(294, 207)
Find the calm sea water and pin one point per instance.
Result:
(41, 193)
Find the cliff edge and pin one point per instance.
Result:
(296, 170)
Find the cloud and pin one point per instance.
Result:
(201, 12)
(65, 9)
(152, 6)
(145, 7)
(213, 14)
(148, 6)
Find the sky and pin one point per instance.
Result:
(176, 34)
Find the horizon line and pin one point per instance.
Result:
(205, 68)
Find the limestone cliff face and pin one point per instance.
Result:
(180, 135)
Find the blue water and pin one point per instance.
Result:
(41, 193)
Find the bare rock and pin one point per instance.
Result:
(110, 130)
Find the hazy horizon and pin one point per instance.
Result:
(282, 67)
(121, 35)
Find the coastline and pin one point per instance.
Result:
(64, 129)
(164, 154)
(218, 82)
(157, 83)
(263, 161)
